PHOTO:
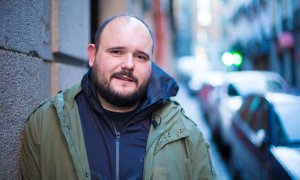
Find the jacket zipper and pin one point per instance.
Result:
(118, 138)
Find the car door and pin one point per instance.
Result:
(259, 143)
(249, 148)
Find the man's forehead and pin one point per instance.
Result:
(120, 28)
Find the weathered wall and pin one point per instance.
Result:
(25, 27)
(24, 76)
(24, 84)
(42, 45)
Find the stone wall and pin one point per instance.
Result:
(42, 50)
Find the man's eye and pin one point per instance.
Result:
(116, 52)
(142, 58)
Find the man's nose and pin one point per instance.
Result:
(128, 62)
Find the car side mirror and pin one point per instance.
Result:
(232, 91)
(260, 138)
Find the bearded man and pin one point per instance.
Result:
(120, 122)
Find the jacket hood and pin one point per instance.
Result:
(161, 86)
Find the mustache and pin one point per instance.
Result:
(127, 74)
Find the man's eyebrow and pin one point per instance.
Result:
(115, 48)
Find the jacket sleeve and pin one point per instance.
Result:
(202, 167)
(30, 151)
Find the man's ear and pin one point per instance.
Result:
(92, 54)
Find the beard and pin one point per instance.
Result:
(118, 98)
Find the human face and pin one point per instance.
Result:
(121, 66)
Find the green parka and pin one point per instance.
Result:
(54, 147)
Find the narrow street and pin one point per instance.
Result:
(193, 110)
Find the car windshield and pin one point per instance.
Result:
(257, 86)
(287, 115)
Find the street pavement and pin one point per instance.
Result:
(192, 109)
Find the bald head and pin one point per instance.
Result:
(127, 20)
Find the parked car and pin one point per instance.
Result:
(226, 99)
(265, 137)
(212, 80)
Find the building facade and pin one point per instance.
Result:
(267, 34)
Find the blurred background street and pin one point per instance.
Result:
(237, 63)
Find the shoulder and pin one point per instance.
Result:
(173, 112)
(49, 106)
(173, 116)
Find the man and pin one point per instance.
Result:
(119, 123)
